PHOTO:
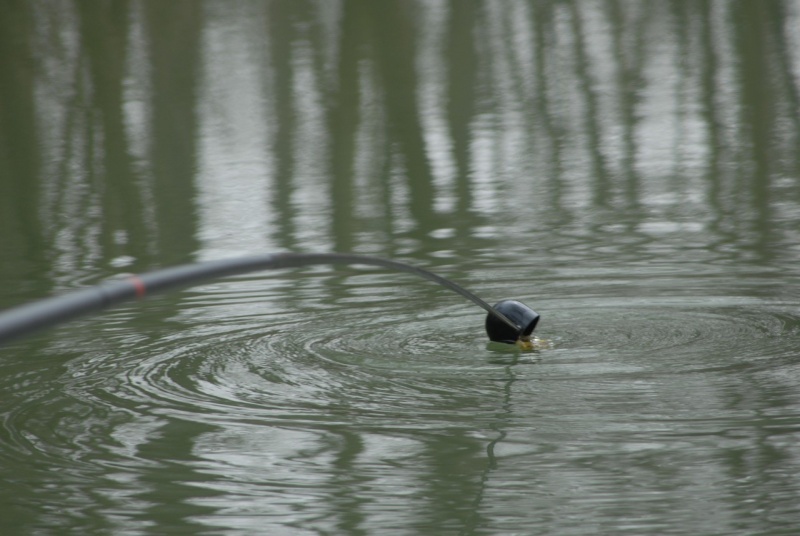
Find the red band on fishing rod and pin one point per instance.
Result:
(138, 284)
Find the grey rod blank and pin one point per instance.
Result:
(25, 319)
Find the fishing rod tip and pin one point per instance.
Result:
(519, 313)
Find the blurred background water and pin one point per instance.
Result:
(627, 168)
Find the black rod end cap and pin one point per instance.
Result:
(517, 312)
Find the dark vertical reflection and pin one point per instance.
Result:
(291, 26)
(629, 53)
(787, 138)
(600, 188)
(20, 231)
(349, 486)
(104, 27)
(173, 32)
(344, 120)
(542, 15)
(462, 64)
(456, 465)
(712, 120)
(280, 30)
(762, 458)
(393, 39)
(758, 24)
(172, 487)
(477, 519)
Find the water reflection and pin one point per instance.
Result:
(345, 125)
(630, 167)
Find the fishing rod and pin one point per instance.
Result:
(507, 321)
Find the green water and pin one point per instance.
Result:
(629, 169)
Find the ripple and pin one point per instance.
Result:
(387, 365)
(679, 328)
(278, 396)
(386, 370)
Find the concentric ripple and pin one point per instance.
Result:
(334, 366)
(266, 399)
(304, 372)
(678, 332)
(420, 371)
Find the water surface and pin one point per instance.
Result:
(628, 169)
